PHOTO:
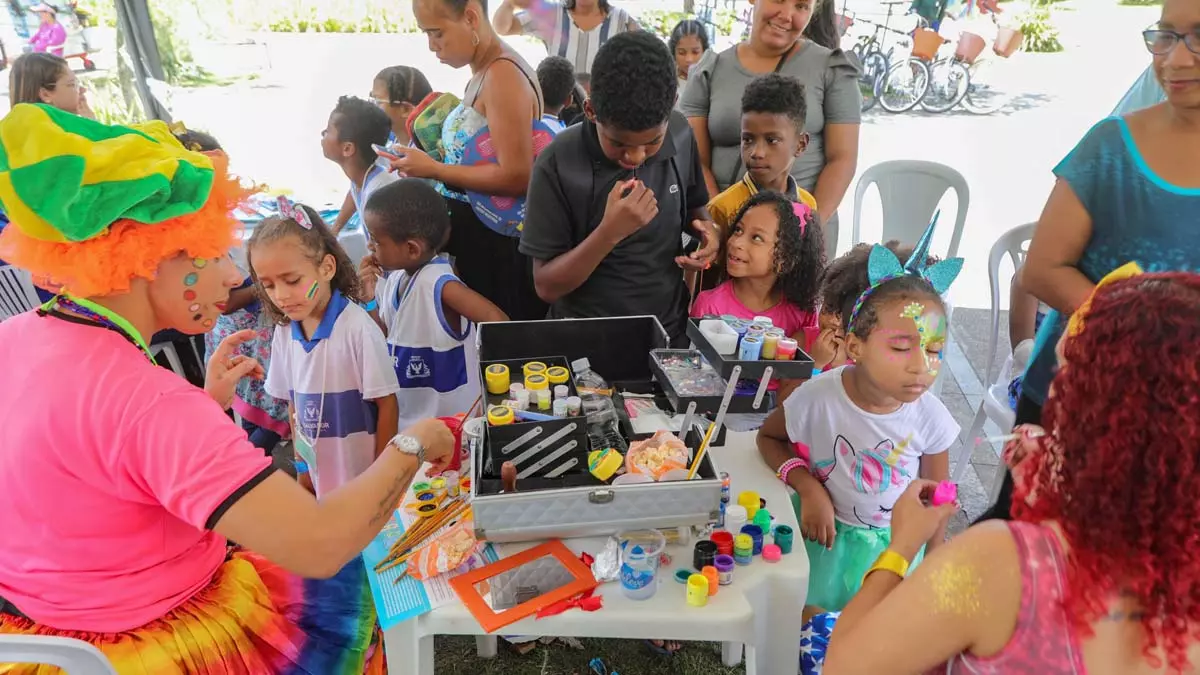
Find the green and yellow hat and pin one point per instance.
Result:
(93, 205)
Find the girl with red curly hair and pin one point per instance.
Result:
(1099, 572)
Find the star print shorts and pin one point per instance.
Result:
(814, 640)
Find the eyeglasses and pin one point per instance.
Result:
(1161, 41)
(381, 101)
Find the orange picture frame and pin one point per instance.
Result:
(491, 621)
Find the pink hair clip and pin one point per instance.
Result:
(288, 209)
(803, 212)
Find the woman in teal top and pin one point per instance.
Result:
(1129, 192)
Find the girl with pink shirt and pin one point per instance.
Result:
(774, 257)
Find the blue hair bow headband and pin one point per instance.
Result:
(883, 266)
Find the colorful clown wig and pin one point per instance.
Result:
(93, 206)
(1119, 469)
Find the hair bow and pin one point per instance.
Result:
(1077, 320)
(296, 212)
(883, 266)
(804, 213)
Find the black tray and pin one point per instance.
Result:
(497, 437)
(799, 368)
(742, 402)
(486, 485)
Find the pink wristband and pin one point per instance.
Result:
(790, 465)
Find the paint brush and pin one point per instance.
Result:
(1008, 437)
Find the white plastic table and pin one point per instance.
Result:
(761, 610)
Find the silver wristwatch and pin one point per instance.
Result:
(409, 445)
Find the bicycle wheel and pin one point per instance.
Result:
(984, 97)
(904, 85)
(949, 80)
(872, 68)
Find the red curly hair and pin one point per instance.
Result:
(1122, 477)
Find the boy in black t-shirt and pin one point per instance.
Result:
(609, 199)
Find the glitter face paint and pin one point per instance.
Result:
(931, 328)
(956, 590)
(312, 290)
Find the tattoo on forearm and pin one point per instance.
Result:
(392, 499)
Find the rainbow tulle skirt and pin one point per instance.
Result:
(255, 618)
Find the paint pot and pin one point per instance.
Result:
(533, 368)
(464, 485)
(558, 375)
(729, 318)
(559, 408)
(703, 554)
(499, 415)
(724, 565)
(750, 348)
(439, 488)
(514, 388)
(743, 549)
(784, 536)
(786, 349)
(536, 382)
(764, 320)
(522, 399)
(739, 327)
(420, 487)
(756, 535)
(561, 392)
(751, 502)
(724, 542)
(604, 463)
(452, 486)
(697, 590)
(427, 510)
(574, 406)
(771, 553)
(770, 342)
(682, 575)
(763, 520)
(756, 329)
(641, 554)
(543, 399)
(497, 378)
(426, 496)
(714, 579)
(726, 482)
(735, 518)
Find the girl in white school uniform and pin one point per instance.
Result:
(328, 359)
(425, 309)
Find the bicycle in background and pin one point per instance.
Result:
(868, 49)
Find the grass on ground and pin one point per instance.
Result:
(455, 655)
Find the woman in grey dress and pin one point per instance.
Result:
(777, 43)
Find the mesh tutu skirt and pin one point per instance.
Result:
(255, 618)
(836, 574)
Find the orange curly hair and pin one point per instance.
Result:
(1122, 474)
(106, 265)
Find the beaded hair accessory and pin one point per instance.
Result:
(288, 209)
(883, 266)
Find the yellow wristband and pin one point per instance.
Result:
(889, 561)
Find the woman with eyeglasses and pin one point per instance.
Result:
(45, 78)
(1130, 191)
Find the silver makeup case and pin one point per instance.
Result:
(575, 503)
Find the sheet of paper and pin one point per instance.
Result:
(397, 602)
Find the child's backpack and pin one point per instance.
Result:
(425, 123)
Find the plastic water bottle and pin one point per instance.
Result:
(638, 575)
(595, 392)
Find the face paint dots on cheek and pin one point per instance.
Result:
(199, 263)
(956, 590)
(189, 295)
(191, 279)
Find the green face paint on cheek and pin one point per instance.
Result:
(931, 327)
(312, 290)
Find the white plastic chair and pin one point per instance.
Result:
(168, 350)
(909, 193)
(1013, 244)
(17, 293)
(75, 657)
